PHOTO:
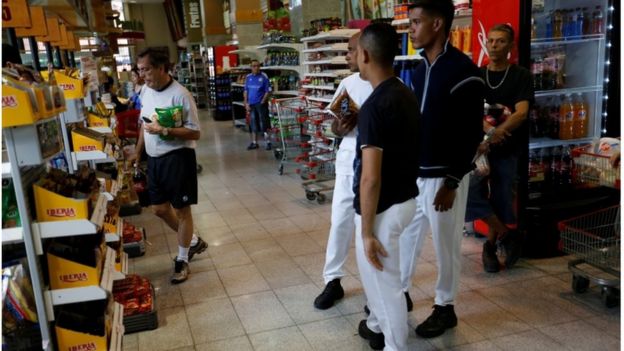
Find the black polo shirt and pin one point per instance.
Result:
(388, 120)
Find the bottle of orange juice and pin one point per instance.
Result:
(456, 38)
(566, 119)
(581, 117)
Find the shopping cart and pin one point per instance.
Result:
(592, 170)
(287, 115)
(594, 239)
(317, 166)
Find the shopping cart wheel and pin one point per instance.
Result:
(320, 198)
(280, 170)
(610, 296)
(579, 284)
(311, 195)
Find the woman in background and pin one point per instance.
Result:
(135, 99)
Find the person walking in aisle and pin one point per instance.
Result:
(509, 88)
(256, 96)
(450, 95)
(386, 166)
(343, 213)
(171, 162)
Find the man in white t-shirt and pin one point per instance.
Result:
(343, 213)
(172, 164)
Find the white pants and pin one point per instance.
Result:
(341, 230)
(447, 232)
(383, 289)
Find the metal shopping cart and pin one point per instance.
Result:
(318, 165)
(287, 116)
(592, 170)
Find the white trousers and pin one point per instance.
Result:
(447, 232)
(383, 289)
(342, 228)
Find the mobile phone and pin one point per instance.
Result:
(146, 120)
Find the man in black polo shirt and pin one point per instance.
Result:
(384, 186)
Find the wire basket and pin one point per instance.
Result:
(592, 170)
(594, 237)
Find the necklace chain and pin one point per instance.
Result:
(487, 78)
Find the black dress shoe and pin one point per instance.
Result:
(512, 245)
(442, 318)
(408, 301)
(333, 291)
(375, 340)
(489, 258)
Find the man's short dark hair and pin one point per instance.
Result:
(156, 57)
(505, 28)
(443, 8)
(381, 42)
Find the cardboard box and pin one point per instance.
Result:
(65, 273)
(87, 142)
(55, 207)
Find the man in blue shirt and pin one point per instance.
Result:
(256, 95)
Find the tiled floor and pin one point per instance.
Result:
(253, 289)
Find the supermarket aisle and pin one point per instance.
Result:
(253, 289)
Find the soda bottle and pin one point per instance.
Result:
(537, 68)
(557, 23)
(580, 19)
(586, 22)
(597, 23)
(565, 169)
(580, 117)
(533, 28)
(534, 121)
(566, 119)
(554, 118)
(549, 25)
(555, 166)
(534, 181)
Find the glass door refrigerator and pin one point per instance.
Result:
(567, 45)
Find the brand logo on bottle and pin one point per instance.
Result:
(67, 86)
(61, 212)
(9, 101)
(74, 278)
(87, 148)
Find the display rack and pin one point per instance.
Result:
(325, 63)
(198, 81)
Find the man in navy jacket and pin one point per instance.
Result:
(450, 94)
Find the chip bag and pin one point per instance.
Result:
(169, 117)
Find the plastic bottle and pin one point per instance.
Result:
(554, 118)
(586, 21)
(537, 68)
(557, 23)
(535, 130)
(555, 166)
(580, 117)
(597, 23)
(580, 20)
(565, 169)
(533, 28)
(566, 119)
(534, 181)
(549, 25)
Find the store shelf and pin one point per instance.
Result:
(114, 237)
(244, 51)
(286, 92)
(57, 229)
(408, 57)
(336, 60)
(292, 46)
(336, 47)
(238, 103)
(12, 235)
(6, 170)
(322, 87)
(570, 40)
(103, 130)
(330, 74)
(556, 92)
(285, 68)
(92, 156)
(238, 85)
(335, 34)
(117, 330)
(400, 22)
(535, 143)
(320, 99)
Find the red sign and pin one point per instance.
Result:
(74, 277)
(9, 101)
(61, 212)
(486, 14)
(88, 148)
(83, 347)
(67, 86)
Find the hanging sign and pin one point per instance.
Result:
(38, 26)
(15, 14)
(193, 22)
(54, 30)
(63, 34)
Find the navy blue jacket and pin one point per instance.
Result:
(450, 92)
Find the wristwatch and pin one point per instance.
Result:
(165, 131)
(451, 183)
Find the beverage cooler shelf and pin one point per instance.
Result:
(568, 40)
(556, 92)
(536, 143)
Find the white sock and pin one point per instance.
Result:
(194, 240)
(183, 253)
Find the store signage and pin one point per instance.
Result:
(61, 212)
(38, 26)
(67, 86)
(9, 101)
(84, 347)
(74, 278)
(486, 14)
(15, 13)
(88, 148)
(54, 30)
(193, 22)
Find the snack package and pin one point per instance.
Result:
(346, 111)
(170, 117)
(17, 298)
(607, 146)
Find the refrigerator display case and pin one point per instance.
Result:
(566, 45)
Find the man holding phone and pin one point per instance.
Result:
(171, 161)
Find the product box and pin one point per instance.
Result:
(65, 273)
(72, 88)
(97, 121)
(51, 206)
(107, 335)
(18, 107)
(84, 140)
